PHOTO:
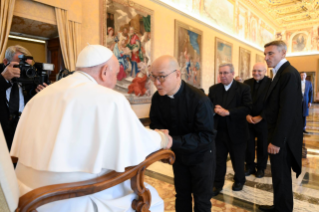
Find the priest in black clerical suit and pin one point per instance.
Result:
(285, 125)
(259, 85)
(187, 114)
(232, 102)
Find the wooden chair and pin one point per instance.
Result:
(10, 201)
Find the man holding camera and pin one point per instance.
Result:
(13, 96)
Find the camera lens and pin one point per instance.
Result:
(30, 72)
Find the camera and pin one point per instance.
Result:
(36, 74)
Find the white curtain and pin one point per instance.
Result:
(6, 14)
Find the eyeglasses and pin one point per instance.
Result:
(224, 73)
(159, 78)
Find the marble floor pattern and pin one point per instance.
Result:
(257, 191)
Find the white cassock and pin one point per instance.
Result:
(76, 130)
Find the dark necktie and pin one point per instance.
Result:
(14, 99)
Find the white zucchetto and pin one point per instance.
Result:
(93, 55)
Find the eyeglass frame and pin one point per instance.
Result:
(163, 77)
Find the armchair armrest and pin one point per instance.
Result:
(14, 159)
(40, 196)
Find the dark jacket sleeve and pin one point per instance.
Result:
(310, 93)
(244, 109)
(4, 85)
(155, 123)
(203, 133)
(288, 101)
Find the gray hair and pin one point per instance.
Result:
(279, 43)
(230, 65)
(12, 50)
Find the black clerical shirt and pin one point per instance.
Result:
(188, 116)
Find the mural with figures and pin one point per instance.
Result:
(231, 16)
(301, 40)
(128, 33)
(188, 47)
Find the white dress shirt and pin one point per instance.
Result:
(21, 97)
(275, 70)
(303, 86)
(228, 86)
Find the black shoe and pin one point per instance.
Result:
(304, 131)
(216, 191)
(237, 186)
(249, 172)
(260, 174)
(266, 207)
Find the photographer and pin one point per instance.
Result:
(13, 96)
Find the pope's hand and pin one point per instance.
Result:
(10, 72)
(272, 149)
(170, 139)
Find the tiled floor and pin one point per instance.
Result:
(256, 190)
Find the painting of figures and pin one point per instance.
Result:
(265, 36)
(220, 13)
(242, 19)
(260, 59)
(298, 42)
(128, 33)
(223, 54)
(244, 64)
(188, 48)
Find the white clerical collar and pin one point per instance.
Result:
(172, 96)
(88, 76)
(275, 70)
(228, 86)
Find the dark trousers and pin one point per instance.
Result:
(304, 122)
(194, 173)
(281, 179)
(237, 156)
(261, 133)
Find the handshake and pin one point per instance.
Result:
(168, 138)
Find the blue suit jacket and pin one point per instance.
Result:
(307, 98)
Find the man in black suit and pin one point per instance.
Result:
(257, 124)
(232, 102)
(188, 115)
(13, 96)
(284, 119)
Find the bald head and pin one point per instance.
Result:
(259, 71)
(166, 75)
(166, 62)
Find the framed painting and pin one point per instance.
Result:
(188, 52)
(223, 54)
(260, 59)
(244, 63)
(126, 29)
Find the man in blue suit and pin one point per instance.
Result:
(306, 89)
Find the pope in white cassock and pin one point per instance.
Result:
(78, 129)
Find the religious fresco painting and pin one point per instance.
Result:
(188, 51)
(260, 59)
(242, 22)
(298, 42)
(229, 15)
(220, 13)
(301, 40)
(223, 54)
(127, 31)
(244, 63)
